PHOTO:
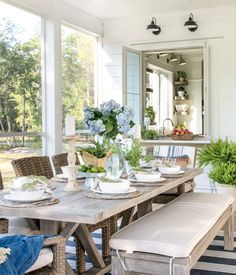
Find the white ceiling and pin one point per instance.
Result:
(105, 9)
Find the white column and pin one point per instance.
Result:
(51, 83)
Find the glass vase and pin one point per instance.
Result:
(115, 163)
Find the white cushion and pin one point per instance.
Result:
(175, 229)
(45, 257)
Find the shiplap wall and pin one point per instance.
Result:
(222, 71)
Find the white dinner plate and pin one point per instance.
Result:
(11, 197)
(62, 176)
(91, 175)
(133, 179)
(175, 173)
(98, 191)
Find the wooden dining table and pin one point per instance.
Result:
(75, 210)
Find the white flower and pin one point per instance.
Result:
(3, 254)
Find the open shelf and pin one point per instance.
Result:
(181, 83)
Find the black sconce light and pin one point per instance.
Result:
(191, 24)
(182, 61)
(153, 27)
(173, 57)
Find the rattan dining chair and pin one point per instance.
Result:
(37, 165)
(57, 245)
(108, 226)
(13, 225)
(60, 160)
(185, 156)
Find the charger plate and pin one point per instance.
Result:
(94, 195)
(14, 204)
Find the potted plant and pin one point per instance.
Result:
(149, 134)
(181, 76)
(221, 156)
(134, 154)
(95, 154)
(151, 114)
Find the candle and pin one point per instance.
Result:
(69, 126)
(137, 133)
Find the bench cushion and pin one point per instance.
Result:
(175, 229)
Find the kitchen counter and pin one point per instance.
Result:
(196, 142)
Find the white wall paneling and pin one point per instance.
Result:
(217, 27)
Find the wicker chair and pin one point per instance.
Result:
(61, 160)
(185, 156)
(109, 226)
(13, 225)
(57, 244)
(38, 166)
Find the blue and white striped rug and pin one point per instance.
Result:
(215, 260)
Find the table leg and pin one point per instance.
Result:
(127, 217)
(144, 208)
(89, 245)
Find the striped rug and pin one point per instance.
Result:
(215, 260)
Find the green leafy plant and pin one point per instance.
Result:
(217, 152)
(149, 134)
(149, 112)
(99, 150)
(181, 74)
(134, 154)
(221, 155)
(224, 173)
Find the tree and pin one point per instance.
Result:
(20, 106)
(77, 74)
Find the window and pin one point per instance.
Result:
(78, 69)
(20, 86)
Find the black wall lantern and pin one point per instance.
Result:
(191, 24)
(153, 27)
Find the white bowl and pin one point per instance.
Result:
(67, 169)
(28, 195)
(169, 169)
(115, 187)
(181, 93)
(150, 176)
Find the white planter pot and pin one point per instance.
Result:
(227, 189)
(147, 121)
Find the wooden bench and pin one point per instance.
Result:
(172, 239)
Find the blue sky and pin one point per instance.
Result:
(29, 22)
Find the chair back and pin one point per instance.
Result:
(185, 156)
(38, 166)
(60, 160)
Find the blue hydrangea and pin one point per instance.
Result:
(96, 126)
(88, 114)
(109, 106)
(123, 120)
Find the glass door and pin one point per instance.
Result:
(132, 82)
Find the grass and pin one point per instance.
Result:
(8, 153)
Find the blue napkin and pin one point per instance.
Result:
(24, 252)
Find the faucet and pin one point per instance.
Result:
(172, 123)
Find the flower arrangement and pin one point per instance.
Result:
(109, 120)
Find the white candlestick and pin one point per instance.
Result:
(69, 126)
(137, 133)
